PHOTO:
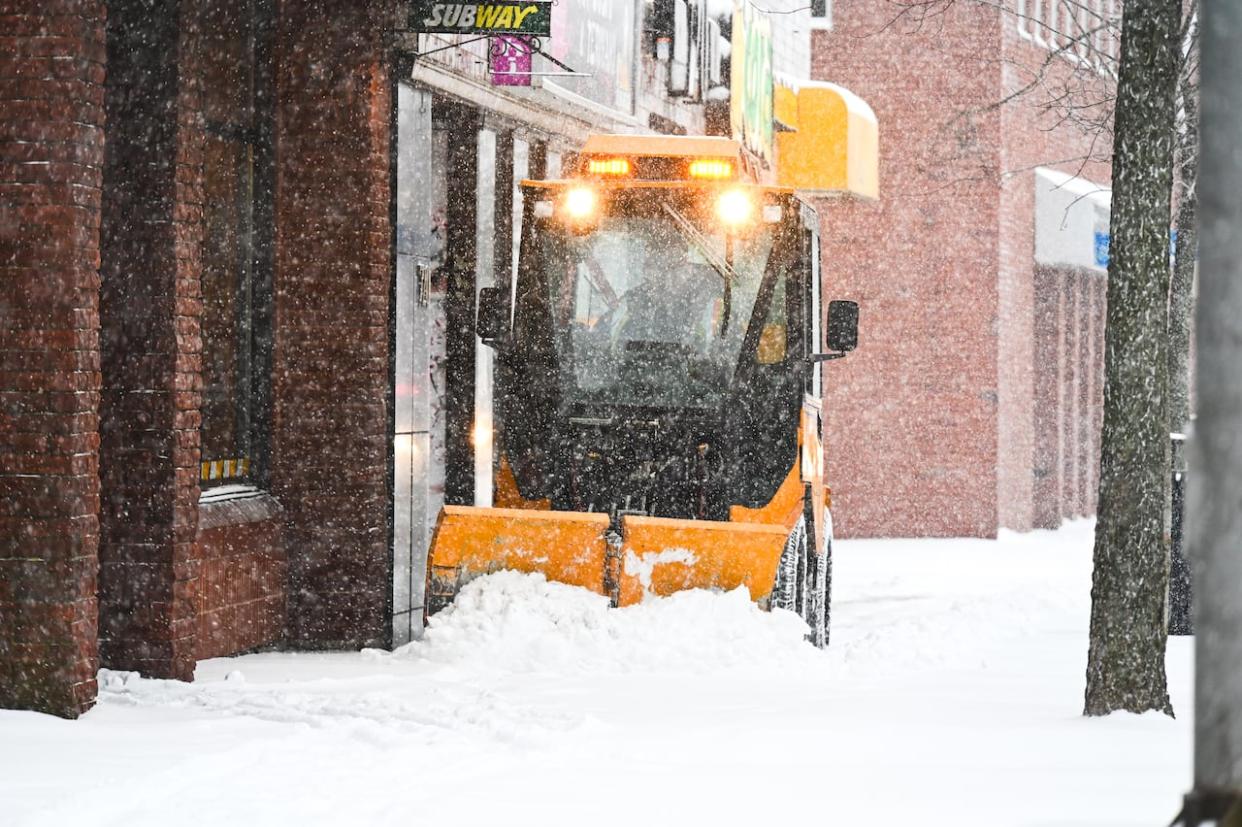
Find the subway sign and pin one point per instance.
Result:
(482, 18)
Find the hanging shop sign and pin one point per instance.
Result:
(511, 58)
(482, 18)
(751, 80)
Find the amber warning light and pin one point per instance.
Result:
(717, 168)
(608, 166)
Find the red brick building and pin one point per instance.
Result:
(974, 400)
(171, 317)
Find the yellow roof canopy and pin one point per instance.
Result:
(830, 139)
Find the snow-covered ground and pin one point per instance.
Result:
(950, 695)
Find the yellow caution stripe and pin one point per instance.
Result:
(224, 469)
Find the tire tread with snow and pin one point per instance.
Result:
(803, 580)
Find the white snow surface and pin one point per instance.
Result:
(951, 694)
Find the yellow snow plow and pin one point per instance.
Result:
(656, 386)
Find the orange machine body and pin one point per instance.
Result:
(638, 556)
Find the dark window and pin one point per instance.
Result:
(235, 268)
(820, 8)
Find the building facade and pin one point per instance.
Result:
(240, 248)
(974, 400)
(195, 311)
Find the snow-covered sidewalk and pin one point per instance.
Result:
(950, 695)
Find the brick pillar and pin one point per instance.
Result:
(1099, 314)
(51, 148)
(331, 443)
(1087, 469)
(1069, 394)
(1048, 398)
(149, 309)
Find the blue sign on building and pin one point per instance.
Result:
(1101, 249)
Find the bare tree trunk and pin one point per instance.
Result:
(1181, 309)
(1125, 661)
(1216, 489)
(1181, 291)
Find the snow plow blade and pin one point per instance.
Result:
(661, 556)
(653, 555)
(564, 546)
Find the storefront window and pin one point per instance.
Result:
(234, 269)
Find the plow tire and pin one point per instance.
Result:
(803, 577)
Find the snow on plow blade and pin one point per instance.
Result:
(662, 556)
(565, 546)
(652, 556)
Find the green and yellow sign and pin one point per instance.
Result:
(482, 18)
(751, 80)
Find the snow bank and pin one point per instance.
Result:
(512, 622)
(951, 695)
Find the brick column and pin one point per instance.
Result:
(51, 147)
(1099, 317)
(1070, 367)
(1088, 464)
(331, 443)
(1048, 397)
(150, 307)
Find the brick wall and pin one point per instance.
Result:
(150, 309)
(1035, 133)
(948, 370)
(99, 477)
(243, 569)
(51, 145)
(910, 418)
(240, 540)
(331, 430)
(1069, 381)
(1048, 390)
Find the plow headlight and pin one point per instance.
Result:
(580, 203)
(734, 208)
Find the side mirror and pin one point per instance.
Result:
(842, 326)
(842, 331)
(492, 320)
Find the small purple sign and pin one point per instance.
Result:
(511, 60)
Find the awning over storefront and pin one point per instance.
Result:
(551, 109)
(1071, 221)
(827, 140)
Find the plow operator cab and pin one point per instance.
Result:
(657, 386)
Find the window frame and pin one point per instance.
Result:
(250, 465)
(821, 14)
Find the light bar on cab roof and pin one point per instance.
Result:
(716, 168)
(608, 166)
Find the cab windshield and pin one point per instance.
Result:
(650, 307)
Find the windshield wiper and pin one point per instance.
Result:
(696, 239)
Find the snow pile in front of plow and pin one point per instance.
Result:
(513, 622)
